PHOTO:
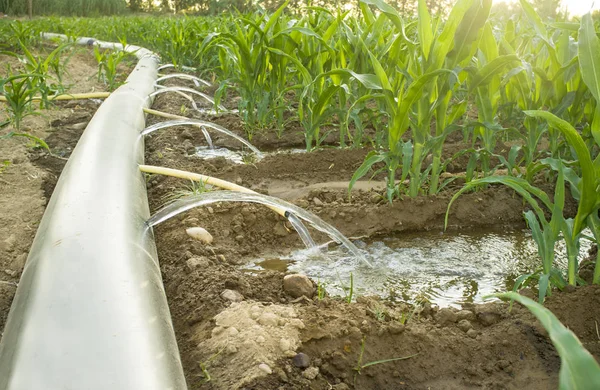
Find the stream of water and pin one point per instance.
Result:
(446, 269)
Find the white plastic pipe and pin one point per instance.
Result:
(90, 311)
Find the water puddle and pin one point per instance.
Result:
(446, 269)
(236, 156)
(206, 153)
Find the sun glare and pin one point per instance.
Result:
(574, 7)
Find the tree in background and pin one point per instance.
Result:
(547, 8)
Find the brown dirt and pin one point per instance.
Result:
(230, 343)
(480, 346)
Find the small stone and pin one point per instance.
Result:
(10, 272)
(210, 210)
(196, 262)
(232, 331)
(488, 318)
(200, 234)
(285, 345)
(280, 230)
(238, 181)
(297, 285)
(231, 349)
(317, 201)
(465, 315)
(260, 340)
(268, 319)
(232, 295)
(221, 258)
(464, 325)
(186, 134)
(396, 328)
(311, 373)
(79, 126)
(446, 316)
(265, 368)
(472, 333)
(301, 360)
(239, 238)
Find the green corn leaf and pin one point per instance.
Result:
(380, 72)
(445, 40)
(535, 19)
(275, 17)
(407, 153)
(579, 370)
(371, 159)
(323, 103)
(369, 81)
(412, 94)
(589, 196)
(589, 56)
(301, 68)
(574, 27)
(543, 284)
(491, 69)
(467, 32)
(589, 64)
(487, 43)
(521, 186)
(388, 10)
(425, 29)
(536, 233)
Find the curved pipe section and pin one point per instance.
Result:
(90, 311)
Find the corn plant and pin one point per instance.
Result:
(43, 66)
(415, 97)
(108, 62)
(19, 91)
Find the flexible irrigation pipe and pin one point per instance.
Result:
(90, 311)
(73, 96)
(206, 179)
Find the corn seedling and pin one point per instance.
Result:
(108, 62)
(19, 91)
(35, 141)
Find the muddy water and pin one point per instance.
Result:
(446, 269)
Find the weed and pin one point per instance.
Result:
(361, 366)
(193, 188)
(5, 164)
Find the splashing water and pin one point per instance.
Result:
(201, 123)
(205, 198)
(301, 229)
(447, 269)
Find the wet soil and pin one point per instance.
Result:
(242, 330)
(253, 343)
